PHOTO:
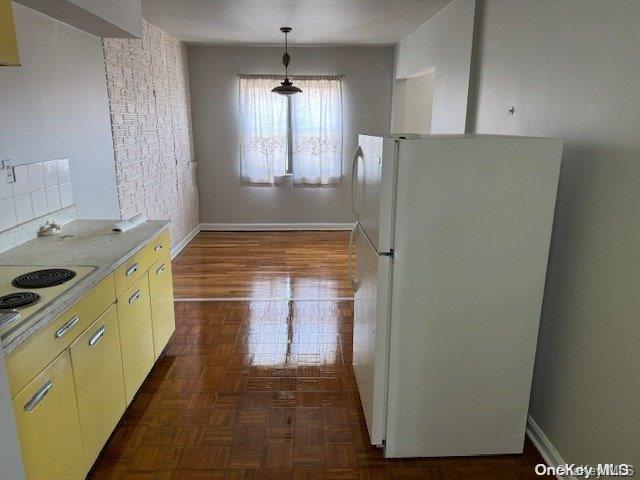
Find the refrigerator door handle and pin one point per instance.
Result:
(354, 168)
(352, 274)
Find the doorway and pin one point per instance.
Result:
(413, 103)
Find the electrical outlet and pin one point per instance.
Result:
(7, 166)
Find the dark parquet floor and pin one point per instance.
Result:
(264, 389)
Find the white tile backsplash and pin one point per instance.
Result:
(24, 212)
(36, 176)
(64, 173)
(66, 195)
(39, 203)
(6, 189)
(21, 185)
(7, 214)
(53, 198)
(50, 173)
(40, 189)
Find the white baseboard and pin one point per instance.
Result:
(239, 227)
(261, 299)
(547, 451)
(183, 243)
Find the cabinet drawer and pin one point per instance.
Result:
(130, 271)
(162, 314)
(48, 426)
(26, 361)
(158, 247)
(99, 382)
(136, 338)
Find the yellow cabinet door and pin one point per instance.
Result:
(26, 361)
(8, 42)
(161, 292)
(99, 380)
(136, 337)
(48, 425)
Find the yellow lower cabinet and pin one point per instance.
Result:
(48, 425)
(99, 380)
(161, 292)
(30, 358)
(136, 337)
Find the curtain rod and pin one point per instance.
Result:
(280, 76)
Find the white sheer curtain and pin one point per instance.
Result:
(263, 131)
(316, 131)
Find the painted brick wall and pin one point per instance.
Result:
(148, 88)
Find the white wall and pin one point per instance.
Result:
(213, 79)
(55, 105)
(413, 115)
(444, 43)
(148, 86)
(572, 70)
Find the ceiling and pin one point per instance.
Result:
(314, 22)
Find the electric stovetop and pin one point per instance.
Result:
(27, 289)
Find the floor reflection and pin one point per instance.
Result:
(293, 333)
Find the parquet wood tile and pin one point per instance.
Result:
(264, 390)
(263, 265)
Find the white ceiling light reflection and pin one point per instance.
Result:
(293, 333)
(274, 286)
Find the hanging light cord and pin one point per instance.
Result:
(286, 56)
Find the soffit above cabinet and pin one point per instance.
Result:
(8, 43)
(103, 18)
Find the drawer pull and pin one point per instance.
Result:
(38, 397)
(67, 326)
(160, 270)
(97, 336)
(158, 247)
(132, 269)
(134, 298)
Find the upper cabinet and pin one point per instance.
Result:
(102, 18)
(8, 42)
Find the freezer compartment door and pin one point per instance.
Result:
(373, 188)
(370, 333)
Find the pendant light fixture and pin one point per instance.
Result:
(287, 87)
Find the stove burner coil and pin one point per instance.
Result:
(43, 278)
(19, 300)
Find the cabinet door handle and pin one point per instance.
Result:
(95, 338)
(159, 247)
(134, 298)
(132, 269)
(160, 270)
(38, 396)
(67, 326)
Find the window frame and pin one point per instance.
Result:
(288, 173)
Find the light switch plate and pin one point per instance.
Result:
(7, 166)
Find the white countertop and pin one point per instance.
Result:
(79, 243)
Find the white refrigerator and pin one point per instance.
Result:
(448, 261)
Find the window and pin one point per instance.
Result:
(299, 135)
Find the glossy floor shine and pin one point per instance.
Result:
(264, 389)
(301, 265)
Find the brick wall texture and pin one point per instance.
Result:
(148, 88)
